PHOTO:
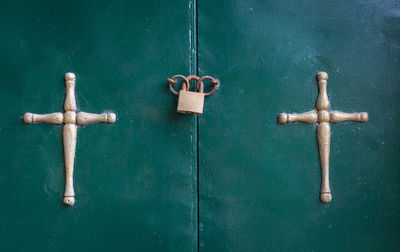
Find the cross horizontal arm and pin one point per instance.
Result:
(53, 118)
(84, 118)
(337, 116)
(307, 117)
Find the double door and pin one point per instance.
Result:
(233, 179)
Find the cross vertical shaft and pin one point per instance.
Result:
(322, 117)
(69, 138)
(324, 136)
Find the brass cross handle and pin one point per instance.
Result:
(71, 120)
(322, 116)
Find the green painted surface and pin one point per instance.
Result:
(134, 180)
(259, 181)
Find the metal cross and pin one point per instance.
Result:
(71, 120)
(322, 116)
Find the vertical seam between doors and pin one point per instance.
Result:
(194, 71)
(198, 126)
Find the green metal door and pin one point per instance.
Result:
(135, 179)
(231, 180)
(259, 180)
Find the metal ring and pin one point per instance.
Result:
(193, 77)
(172, 81)
(200, 85)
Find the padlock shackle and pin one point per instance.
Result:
(193, 77)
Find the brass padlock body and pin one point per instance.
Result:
(190, 102)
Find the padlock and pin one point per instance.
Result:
(190, 102)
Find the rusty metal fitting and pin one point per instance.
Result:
(172, 82)
(186, 85)
(200, 85)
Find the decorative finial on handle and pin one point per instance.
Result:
(363, 116)
(322, 76)
(325, 197)
(69, 200)
(111, 117)
(70, 77)
(28, 118)
(283, 118)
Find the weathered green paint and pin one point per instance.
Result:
(134, 180)
(259, 181)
